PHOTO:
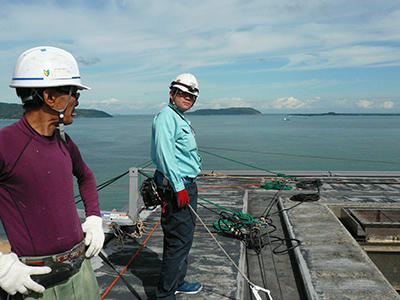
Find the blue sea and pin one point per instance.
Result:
(111, 146)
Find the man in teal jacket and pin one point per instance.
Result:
(174, 152)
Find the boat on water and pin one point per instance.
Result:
(262, 235)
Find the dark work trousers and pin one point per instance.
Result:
(178, 226)
(5, 296)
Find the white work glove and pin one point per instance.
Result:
(15, 276)
(94, 238)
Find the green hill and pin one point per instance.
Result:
(227, 111)
(10, 111)
(15, 111)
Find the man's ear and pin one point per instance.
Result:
(48, 97)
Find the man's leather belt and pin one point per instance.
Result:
(75, 252)
(160, 179)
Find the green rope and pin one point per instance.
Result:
(230, 225)
(276, 185)
(146, 164)
(245, 218)
(145, 174)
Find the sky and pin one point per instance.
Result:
(282, 56)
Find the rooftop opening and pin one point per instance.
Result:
(377, 230)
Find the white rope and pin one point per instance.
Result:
(255, 288)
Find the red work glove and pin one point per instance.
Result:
(183, 198)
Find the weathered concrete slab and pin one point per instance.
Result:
(332, 263)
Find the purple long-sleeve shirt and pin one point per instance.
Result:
(37, 205)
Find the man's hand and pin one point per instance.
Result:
(15, 276)
(94, 238)
(183, 198)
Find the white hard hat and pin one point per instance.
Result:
(186, 82)
(43, 67)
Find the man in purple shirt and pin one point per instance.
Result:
(37, 207)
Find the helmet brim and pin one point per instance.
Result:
(44, 85)
(185, 88)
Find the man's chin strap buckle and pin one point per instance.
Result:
(61, 116)
(61, 126)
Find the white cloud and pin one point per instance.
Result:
(128, 50)
(373, 104)
(109, 101)
(388, 104)
(292, 103)
(217, 32)
(365, 103)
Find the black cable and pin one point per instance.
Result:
(213, 211)
(103, 185)
(262, 269)
(272, 202)
(300, 155)
(128, 285)
(274, 264)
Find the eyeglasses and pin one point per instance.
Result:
(191, 88)
(66, 90)
(185, 94)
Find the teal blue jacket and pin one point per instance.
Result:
(173, 147)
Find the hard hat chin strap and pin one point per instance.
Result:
(60, 111)
(31, 96)
(61, 126)
(173, 99)
(61, 116)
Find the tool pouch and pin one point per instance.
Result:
(148, 190)
(60, 271)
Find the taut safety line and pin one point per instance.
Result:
(248, 165)
(307, 156)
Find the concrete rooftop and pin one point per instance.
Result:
(329, 263)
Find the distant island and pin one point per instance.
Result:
(12, 111)
(227, 111)
(346, 114)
